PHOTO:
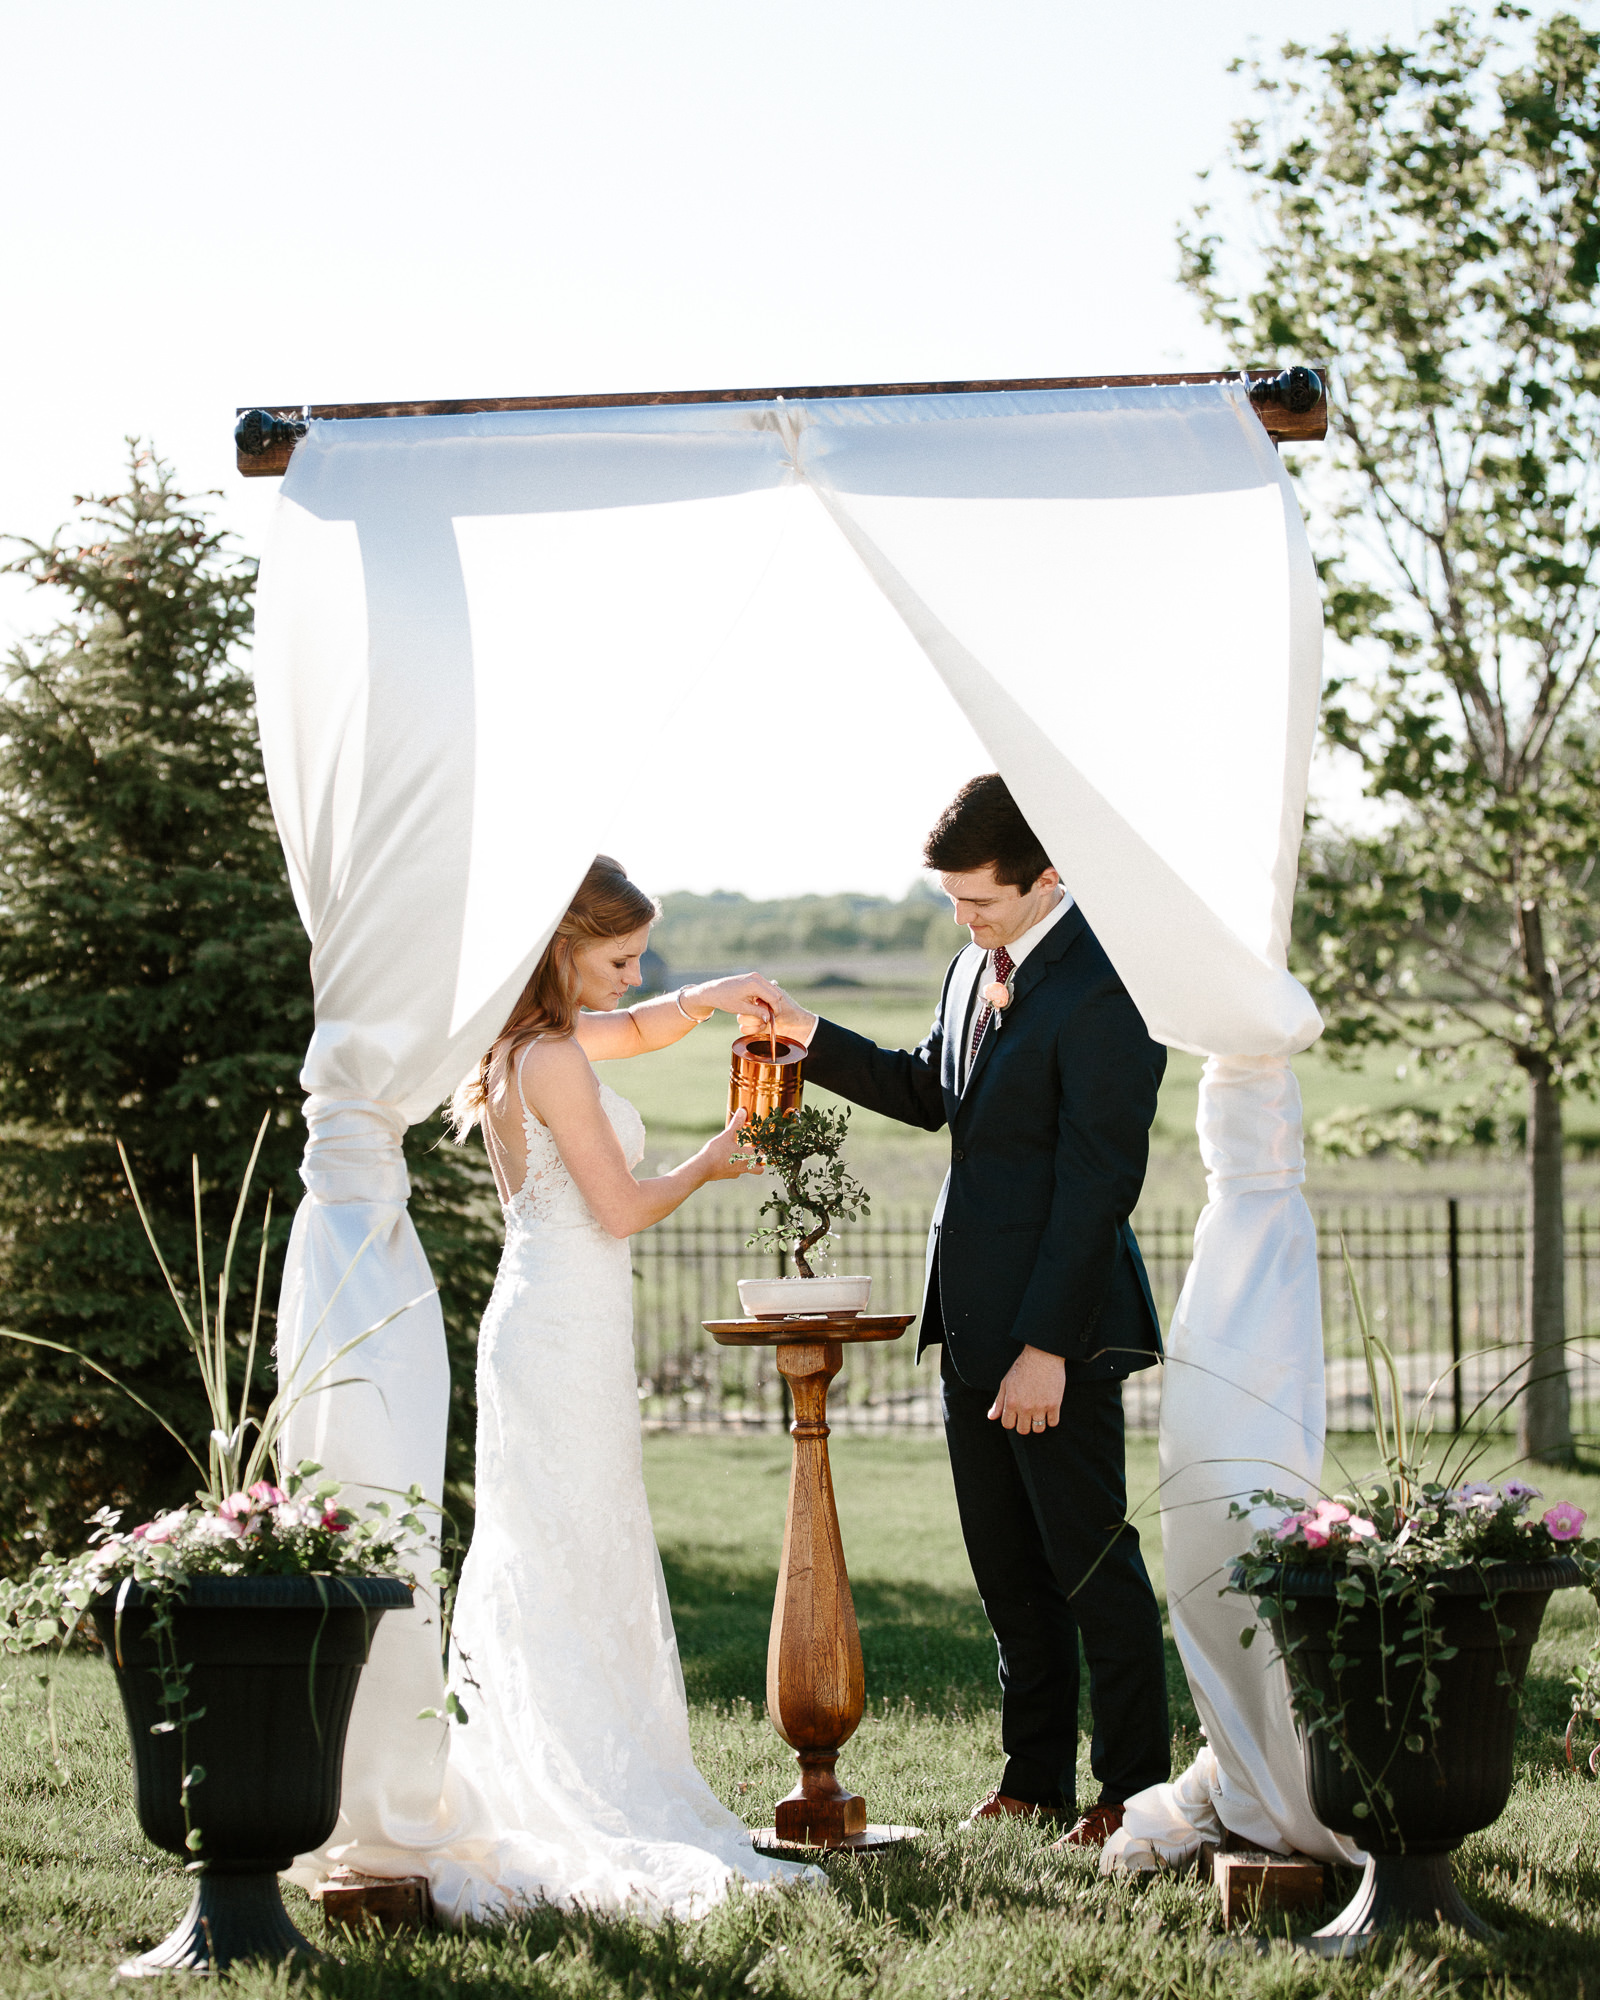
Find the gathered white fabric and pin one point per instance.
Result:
(377, 1418)
(1242, 1411)
(1114, 585)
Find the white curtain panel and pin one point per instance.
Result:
(1117, 588)
(471, 628)
(426, 592)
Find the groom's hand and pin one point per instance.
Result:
(1030, 1395)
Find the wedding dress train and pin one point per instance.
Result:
(572, 1777)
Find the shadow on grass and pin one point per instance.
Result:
(922, 1644)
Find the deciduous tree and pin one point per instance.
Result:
(1427, 218)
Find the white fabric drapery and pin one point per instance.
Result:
(1114, 586)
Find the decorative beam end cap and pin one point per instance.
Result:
(259, 431)
(1296, 389)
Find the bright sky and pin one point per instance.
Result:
(219, 205)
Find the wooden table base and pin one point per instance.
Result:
(872, 1839)
(816, 1688)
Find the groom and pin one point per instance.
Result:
(1039, 1063)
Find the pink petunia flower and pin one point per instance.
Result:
(334, 1521)
(1362, 1529)
(1316, 1535)
(239, 1514)
(268, 1494)
(1564, 1521)
(1332, 1510)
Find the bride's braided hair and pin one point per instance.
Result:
(607, 905)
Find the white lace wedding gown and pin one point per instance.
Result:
(573, 1777)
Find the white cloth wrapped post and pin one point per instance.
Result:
(377, 1416)
(1242, 1409)
(422, 587)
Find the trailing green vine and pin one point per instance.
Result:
(1391, 1542)
(1389, 1552)
(247, 1516)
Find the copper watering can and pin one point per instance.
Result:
(765, 1075)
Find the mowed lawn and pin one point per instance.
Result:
(986, 1915)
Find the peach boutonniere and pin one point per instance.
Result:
(997, 995)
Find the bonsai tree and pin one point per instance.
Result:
(802, 1149)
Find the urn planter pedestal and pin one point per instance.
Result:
(1461, 1778)
(816, 1687)
(274, 1662)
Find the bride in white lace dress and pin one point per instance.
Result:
(580, 1785)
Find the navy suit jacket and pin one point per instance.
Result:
(1031, 1244)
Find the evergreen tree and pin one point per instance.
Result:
(154, 989)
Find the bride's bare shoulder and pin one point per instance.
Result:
(556, 1065)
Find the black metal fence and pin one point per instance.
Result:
(1442, 1282)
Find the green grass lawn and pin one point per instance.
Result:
(987, 1915)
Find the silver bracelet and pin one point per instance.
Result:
(694, 1020)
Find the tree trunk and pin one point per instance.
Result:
(1544, 1412)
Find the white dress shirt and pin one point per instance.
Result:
(975, 968)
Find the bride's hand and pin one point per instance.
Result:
(790, 1019)
(741, 993)
(724, 1157)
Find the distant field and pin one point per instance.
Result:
(681, 1093)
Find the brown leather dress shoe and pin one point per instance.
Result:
(1094, 1829)
(999, 1805)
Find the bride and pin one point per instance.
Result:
(570, 1727)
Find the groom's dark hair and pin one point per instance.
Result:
(982, 828)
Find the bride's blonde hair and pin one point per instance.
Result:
(607, 905)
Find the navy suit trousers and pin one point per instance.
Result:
(1054, 1559)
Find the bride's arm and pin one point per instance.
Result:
(658, 1023)
(560, 1088)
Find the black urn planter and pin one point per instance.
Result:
(274, 1664)
(1461, 1778)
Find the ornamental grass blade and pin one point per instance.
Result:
(255, 1310)
(284, 1404)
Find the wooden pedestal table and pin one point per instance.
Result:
(816, 1688)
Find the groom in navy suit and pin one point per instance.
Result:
(1040, 1065)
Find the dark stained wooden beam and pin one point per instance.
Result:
(1291, 403)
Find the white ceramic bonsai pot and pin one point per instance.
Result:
(785, 1298)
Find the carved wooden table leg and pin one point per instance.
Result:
(816, 1688)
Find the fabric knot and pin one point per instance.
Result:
(354, 1152)
(1003, 969)
(1249, 1123)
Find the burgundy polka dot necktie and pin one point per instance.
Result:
(1002, 971)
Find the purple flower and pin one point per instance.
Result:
(1564, 1521)
(1520, 1491)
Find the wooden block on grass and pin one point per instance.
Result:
(1254, 1884)
(392, 1902)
